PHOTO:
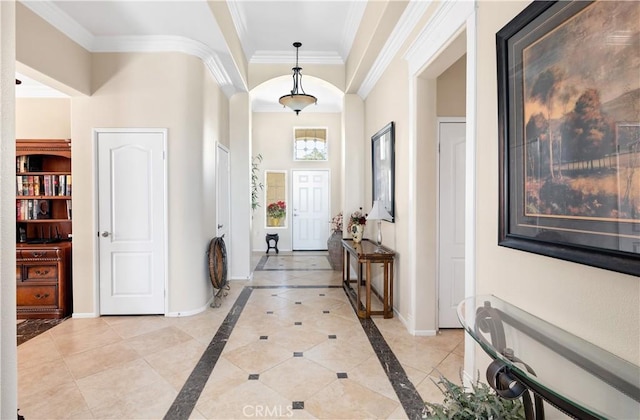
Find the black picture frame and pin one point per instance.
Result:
(383, 167)
(555, 67)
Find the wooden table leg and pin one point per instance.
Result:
(385, 296)
(390, 291)
(368, 297)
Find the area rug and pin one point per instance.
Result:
(29, 328)
(294, 263)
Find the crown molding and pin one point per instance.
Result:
(287, 57)
(48, 11)
(354, 18)
(52, 14)
(240, 24)
(407, 22)
(445, 23)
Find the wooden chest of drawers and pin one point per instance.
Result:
(43, 280)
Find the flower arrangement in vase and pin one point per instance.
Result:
(336, 223)
(276, 211)
(357, 222)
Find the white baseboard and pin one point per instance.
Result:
(190, 313)
(425, 333)
(85, 315)
(405, 322)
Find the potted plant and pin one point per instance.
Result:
(480, 402)
(276, 212)
(334, 243)
(255, 183)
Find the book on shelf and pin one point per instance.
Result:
(69, 209)
(33, 209)
(28, 163)
(36, 185)
(62, 182)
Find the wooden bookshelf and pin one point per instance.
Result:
(43, 226)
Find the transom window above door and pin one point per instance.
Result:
(310, 144)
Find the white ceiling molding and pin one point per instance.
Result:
(241, 26)
(450, 17)
(407, 22)
(289, 57)
(51, 13)
(354, 17)
(61, 21)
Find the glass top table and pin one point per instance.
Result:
(577, 377)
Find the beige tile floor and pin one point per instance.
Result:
(134, 367)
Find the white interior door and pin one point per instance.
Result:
(223, 197)
(310, 210)
(451, 217)
(131, 221)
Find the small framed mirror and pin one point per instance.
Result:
(276, 204)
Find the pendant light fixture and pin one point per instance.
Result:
(295, 100)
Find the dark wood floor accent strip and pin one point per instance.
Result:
(188, 396)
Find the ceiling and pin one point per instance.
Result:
(266, 30)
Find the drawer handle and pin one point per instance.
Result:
(37, 254)
(39, 296)
(42, 272)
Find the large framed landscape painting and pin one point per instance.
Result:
(569, 126)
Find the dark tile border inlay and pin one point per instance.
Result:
(188, 396)
(297, 354)
(411, 401)
(297, 323)
(332, 337)
(264, 337)
(325, 312)
(254, 376)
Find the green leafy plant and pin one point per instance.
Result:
(481, 402)
(255, 181)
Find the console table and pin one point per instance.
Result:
(529, 354)
(365, 253)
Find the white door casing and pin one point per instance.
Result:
(451, 221)
(131, 220)
(311, 209)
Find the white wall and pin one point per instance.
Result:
(43, 118)
(601, 306)
(272, 137)
(150, 90)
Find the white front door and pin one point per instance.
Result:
(311, 214)
(131, 220)
(223, 196)
(451, 216)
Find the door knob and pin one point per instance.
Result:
(105, 234)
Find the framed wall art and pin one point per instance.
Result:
(569, 132)
(383, 167)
